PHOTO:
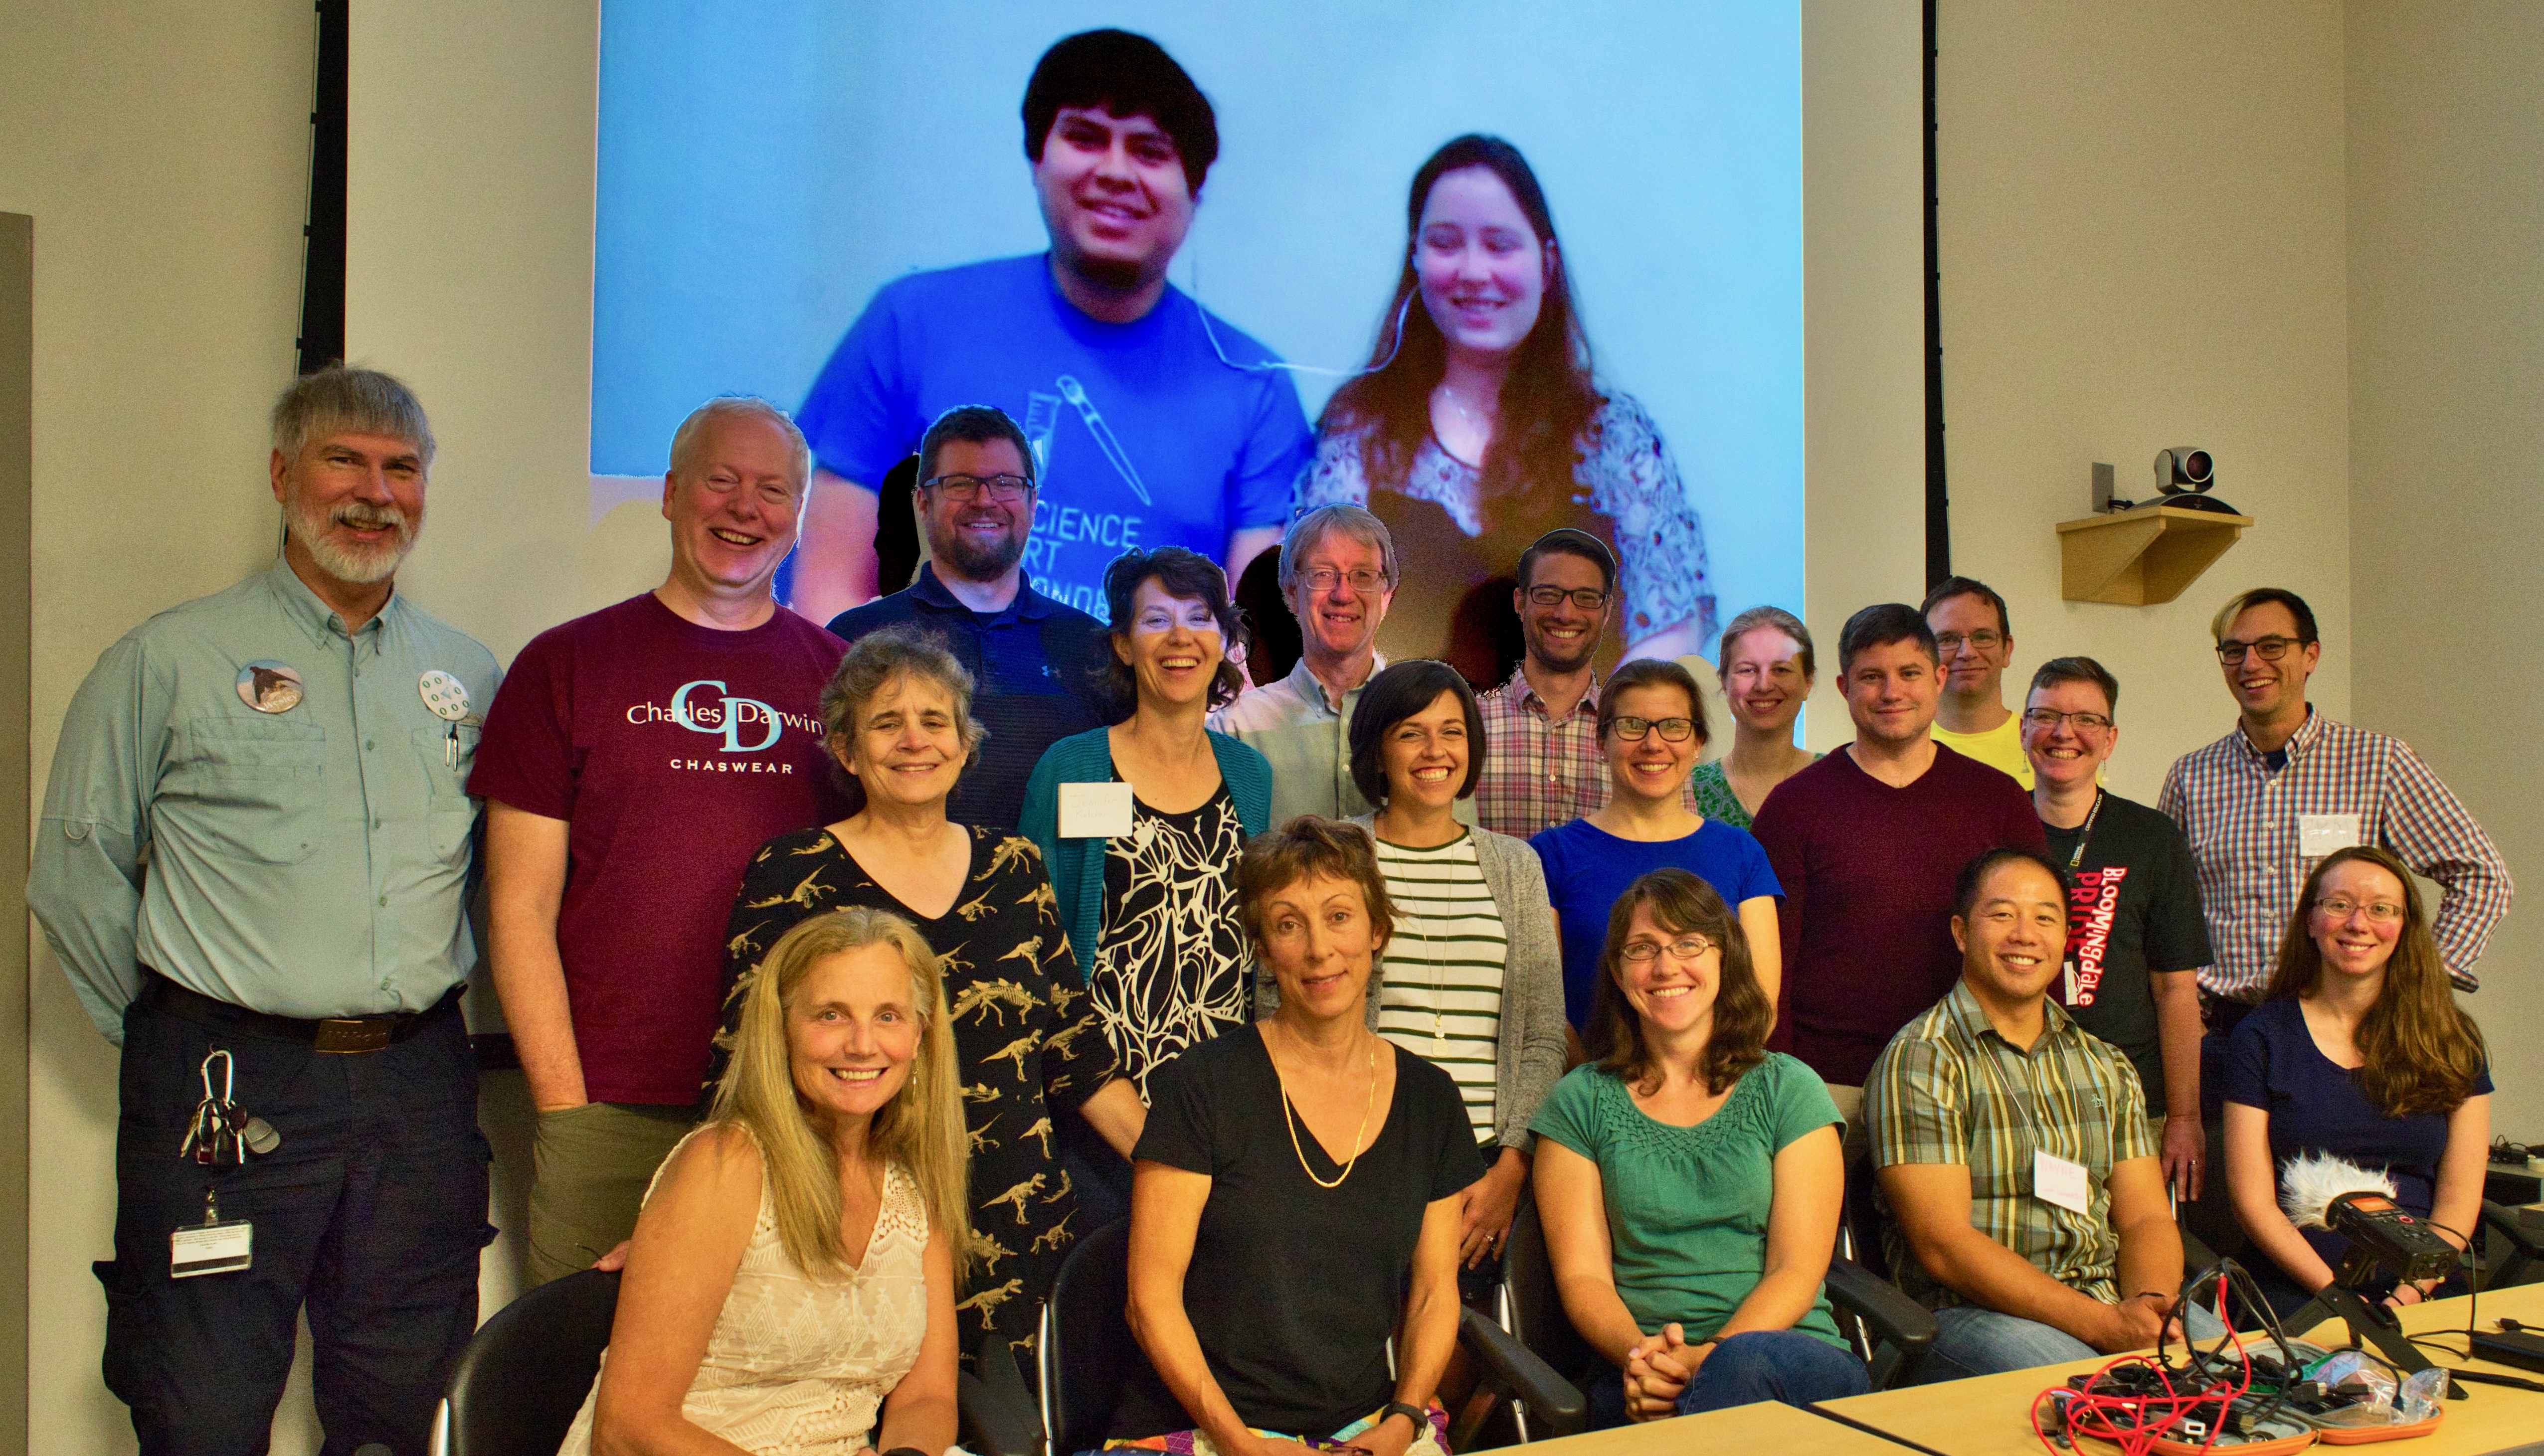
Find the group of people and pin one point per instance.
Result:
(856, 973)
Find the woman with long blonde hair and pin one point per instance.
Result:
(2357, 1051)
(791, 1284)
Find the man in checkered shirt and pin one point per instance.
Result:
(2288, 787)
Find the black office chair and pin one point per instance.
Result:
(1890, 1331)
(525, 1373)
(2518, 1265)
(1089, 1353)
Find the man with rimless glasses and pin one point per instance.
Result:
(1032, 659)
(2288, 787)
(2135, 938)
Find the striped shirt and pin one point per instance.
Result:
(2242, 818)
(1950, 1089)
(1441, 979)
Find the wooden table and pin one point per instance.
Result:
(1989, 1415)
(1763, 1429)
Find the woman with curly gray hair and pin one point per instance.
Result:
(897, 713)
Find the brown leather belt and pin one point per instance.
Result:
(341, 1034)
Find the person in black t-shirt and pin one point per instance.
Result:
(1295, 1199)
(2137, 938)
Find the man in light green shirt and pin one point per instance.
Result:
(256, 841)
(1977, 640)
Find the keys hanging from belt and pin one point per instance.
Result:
(219, 1125)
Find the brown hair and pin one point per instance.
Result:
(1302, 849)
(1652, 672)
(1681, 903)
(2422, 1053)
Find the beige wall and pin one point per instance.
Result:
(163, 151)
(2446, 382)
(2119, 275)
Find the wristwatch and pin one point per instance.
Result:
(1416, 1413)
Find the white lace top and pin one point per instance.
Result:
(797, 1367)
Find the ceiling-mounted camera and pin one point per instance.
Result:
(2183, 476)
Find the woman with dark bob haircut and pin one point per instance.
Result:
(1299, 1194)
(1473, 978)
(1142, 824)
(2359, 1051)
(1480, 427)
(1690, 1179)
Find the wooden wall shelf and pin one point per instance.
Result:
(2142, 557)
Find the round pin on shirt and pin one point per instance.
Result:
(269, 686)
(445, 693)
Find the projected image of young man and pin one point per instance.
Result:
(1480, 426)
(1150, 424)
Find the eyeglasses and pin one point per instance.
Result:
(1950, 642)
(2048, 719)
(1685, 948)
(2268, 649)
(1587, 598)
(1005, 490)
(1323, 579)
(1672, 730)
(2342, 907)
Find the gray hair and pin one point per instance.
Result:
(881, 656)
(690, 435)
(1776, 619)
(1350, 520)
(341, 397)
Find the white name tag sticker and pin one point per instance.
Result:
(219, 1247)
(2320, 834)
(2058, 1181)
(1095, 810)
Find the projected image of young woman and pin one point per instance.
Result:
(1481, 427)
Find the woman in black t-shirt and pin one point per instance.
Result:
(1296, 1198)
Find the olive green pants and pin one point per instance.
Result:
(590, 1168)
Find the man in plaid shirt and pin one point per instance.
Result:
(1542, 762)
(2288, 787)
(2028, 1208)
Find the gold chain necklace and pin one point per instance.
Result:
(1290, 1120)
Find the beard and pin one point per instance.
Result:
(975, 562)
(1112, 275)
(360, 566)
(1560, 660)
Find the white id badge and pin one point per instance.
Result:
(1095, 810)
(2320, 834)
(2056, 1181)
(221, 1247)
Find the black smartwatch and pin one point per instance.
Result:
(1416, 1413)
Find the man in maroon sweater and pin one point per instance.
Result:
(1867, 842)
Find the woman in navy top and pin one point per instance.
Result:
(2359, 1050)
(1651, 727)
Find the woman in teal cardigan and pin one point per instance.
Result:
(1146, 872)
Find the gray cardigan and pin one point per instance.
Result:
(1530, 1058)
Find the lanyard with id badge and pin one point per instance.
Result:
(219, 1128)
(2055, 1181)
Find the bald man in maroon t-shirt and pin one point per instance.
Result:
(1867, 842)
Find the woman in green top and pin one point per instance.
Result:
(1767, 672)
(1690, 1180)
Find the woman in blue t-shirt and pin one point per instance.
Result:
(2359, 1050)
(1690, 1180)
(1651, 727)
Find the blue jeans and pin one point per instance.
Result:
(1785, 1365)
(1969, 1340)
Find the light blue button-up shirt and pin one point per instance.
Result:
(312, 862)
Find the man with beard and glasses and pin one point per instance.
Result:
(288, 758)
(1032, 661)
(1151, 422)
(637, 759)
(1543, 765)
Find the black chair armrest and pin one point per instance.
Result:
(994, 1413)
(2523, 1250)
(1552, 1402)
(1894, 1319)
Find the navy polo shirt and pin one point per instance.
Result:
(1033, 668)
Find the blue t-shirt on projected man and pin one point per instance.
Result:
(1156, 432)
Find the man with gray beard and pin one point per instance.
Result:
(1032, 659)
(298, 1124)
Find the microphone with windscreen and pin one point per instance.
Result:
(2319, 1191)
